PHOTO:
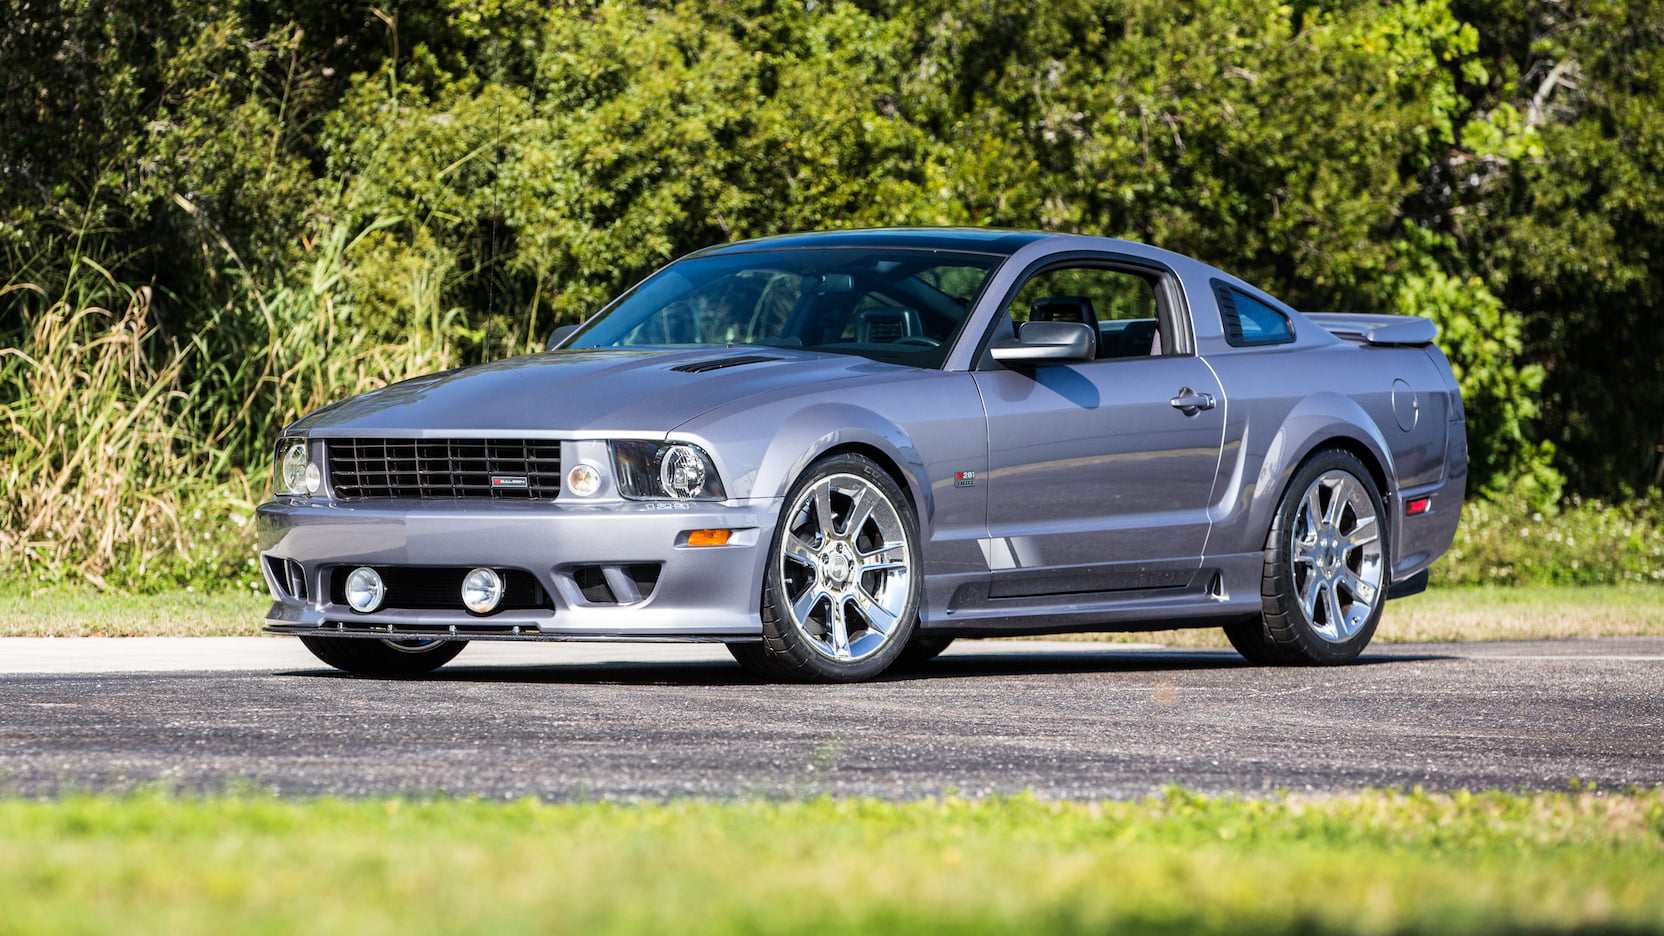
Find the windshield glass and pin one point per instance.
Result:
(902, 306)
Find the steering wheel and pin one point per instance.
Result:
(920, 340)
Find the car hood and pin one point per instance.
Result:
(583, 392)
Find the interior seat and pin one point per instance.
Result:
(884, 324)
(1067, 309)
(1138, 339)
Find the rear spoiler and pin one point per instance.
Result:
(1378, 329)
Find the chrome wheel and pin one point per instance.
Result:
(1335, 556)
(844, 562)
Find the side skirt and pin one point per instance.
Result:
(1223, 589)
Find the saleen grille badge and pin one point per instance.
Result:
(509, 481)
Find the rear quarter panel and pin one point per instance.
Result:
(1392, 406)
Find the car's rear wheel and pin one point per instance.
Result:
(1323, 587)
(368, 657)
(841, 593)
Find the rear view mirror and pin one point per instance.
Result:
(1048, 342)
(826, 284)
(559, 335)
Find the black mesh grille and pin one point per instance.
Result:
(517, 469)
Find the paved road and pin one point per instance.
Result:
(1062, 719)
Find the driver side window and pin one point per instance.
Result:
(1120, 305)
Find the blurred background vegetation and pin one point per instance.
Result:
(215, 216)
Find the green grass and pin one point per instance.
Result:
(86, 612)
(1180, 864)
(1524, 612)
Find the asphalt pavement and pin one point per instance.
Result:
(622, 721)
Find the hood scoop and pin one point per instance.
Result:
(700, 367)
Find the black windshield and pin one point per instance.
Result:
(902, 306)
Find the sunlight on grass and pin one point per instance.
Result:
(1179, 863)
(83, 612)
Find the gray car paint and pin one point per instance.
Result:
(1092, 536)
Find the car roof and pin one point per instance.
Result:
(977, 240)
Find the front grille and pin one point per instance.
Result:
(443, 469)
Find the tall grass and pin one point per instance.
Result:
(134, 458)
(98, 434)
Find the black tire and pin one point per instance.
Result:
(756, 659)
(879, 607)
(367, 657)
(1325, 577)
(921, 650)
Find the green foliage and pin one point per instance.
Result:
(1513, 541)
(1486, 347)
(1558, 200)
(1178, 863)
(318, 198)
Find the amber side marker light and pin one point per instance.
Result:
(708, 537)
(1417, 506)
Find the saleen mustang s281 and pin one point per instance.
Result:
(836, 451)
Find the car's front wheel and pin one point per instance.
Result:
(922, 649)
(1323, 588)
(841, 592)
(367, 657)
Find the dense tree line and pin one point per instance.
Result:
(494, 168)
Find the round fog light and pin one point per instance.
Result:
(481, 590)
(583, 480)
(314, 478)
(365, 590)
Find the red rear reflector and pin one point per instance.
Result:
(1417, 506)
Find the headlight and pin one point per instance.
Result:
(660, 470)
(290, 476)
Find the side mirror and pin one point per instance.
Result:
(559, 335)
(1048, 342)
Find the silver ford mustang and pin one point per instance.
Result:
(834, 452)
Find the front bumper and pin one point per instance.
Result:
(701, 592)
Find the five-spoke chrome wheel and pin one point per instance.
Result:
(1335, 552)
(845, 563)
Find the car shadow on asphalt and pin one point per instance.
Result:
(978, 666)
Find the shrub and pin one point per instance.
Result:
(1583, 542)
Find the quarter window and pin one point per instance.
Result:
(1248, 321)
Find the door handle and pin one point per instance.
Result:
(1190, 402)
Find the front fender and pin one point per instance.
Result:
(813, 431)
